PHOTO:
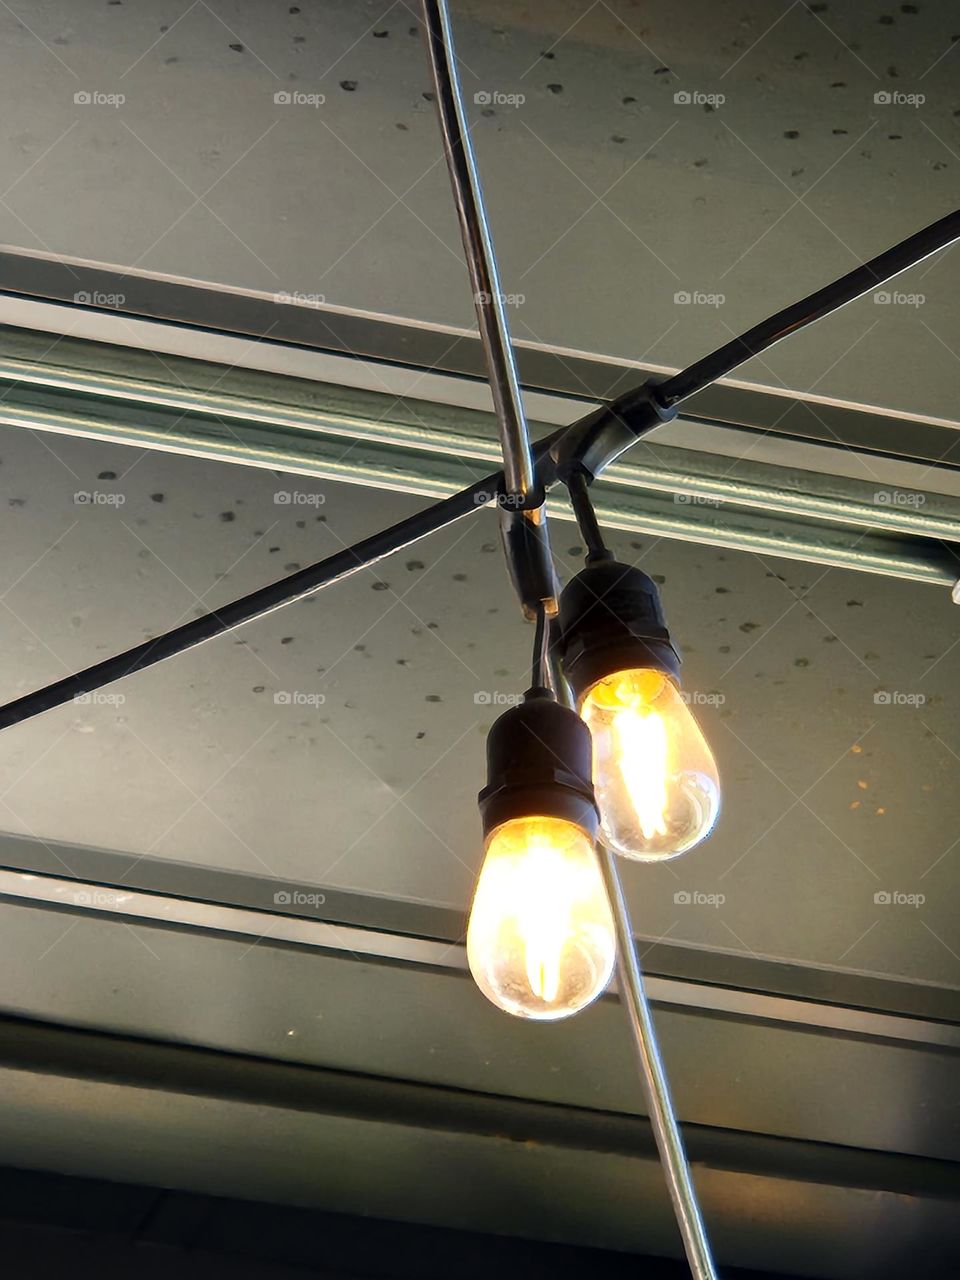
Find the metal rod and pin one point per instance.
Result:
(478, 247)
(938, 235)
(663, 1118)
(633, 997)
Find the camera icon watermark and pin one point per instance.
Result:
(898, 498)
(695, 500)
(694, 98)
(895, 898)
(298, 898)
(96, 98)
(494, 698)
(301, 299)
(94, 498)
(897, 698)
(698, 298)
(896, 298)
(296, 98)
(97, 299)
(509, 501)
(298, 698)
(895, 98)
(695, 898)
(97, 698)
(697, 698)
(494, 98)
(298, 498)
(104, 899)
(507, 299)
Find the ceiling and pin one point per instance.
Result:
(335, 747)
(607, 197)
(367, 780)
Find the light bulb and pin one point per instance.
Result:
(654, 774)
(540, 941)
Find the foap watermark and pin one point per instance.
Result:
(695, 500)
(297, 98)
(94, 498)
(105, 899)
(97, 299)
(97, 698)
(507, 299)
(895, 898)
(511, 501)
(697, 298)
(301, 299)
(694, 98)
(897, 98)
(494, 698)
(898, 498)
(898, 698)
(298, 498)
(97, 98)
(299, 898)
(496, 98)
(697, 698)
(896, 298)
(298, 698)
(696, 898)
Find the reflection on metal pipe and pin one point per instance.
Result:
(663, 1119)
(633, 997)
(478, 247)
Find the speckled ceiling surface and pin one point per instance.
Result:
(782, 169)
(748, 150)
(366, 778)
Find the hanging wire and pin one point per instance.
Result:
(578, 487)
(541, 667)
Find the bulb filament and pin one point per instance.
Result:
(642, 739)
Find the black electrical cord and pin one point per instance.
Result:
(258, 603)
(814, 307)
(539, 668)
(560, 453)
(578, 486)
(601, 437)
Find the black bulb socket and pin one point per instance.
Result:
(539, 764)
(611, 619)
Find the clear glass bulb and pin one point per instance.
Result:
(654, 775)
(540, 941)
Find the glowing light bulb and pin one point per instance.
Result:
(654, 774)
(540, 940)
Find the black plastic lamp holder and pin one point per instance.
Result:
(539, 764)
(611, 619)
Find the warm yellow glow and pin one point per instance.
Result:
(653, 772)
(540, 940)
(642, 740)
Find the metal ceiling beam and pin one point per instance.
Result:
(91, 899)
(113, 305)
(675, 495)
(180, 417)
(48, 871)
